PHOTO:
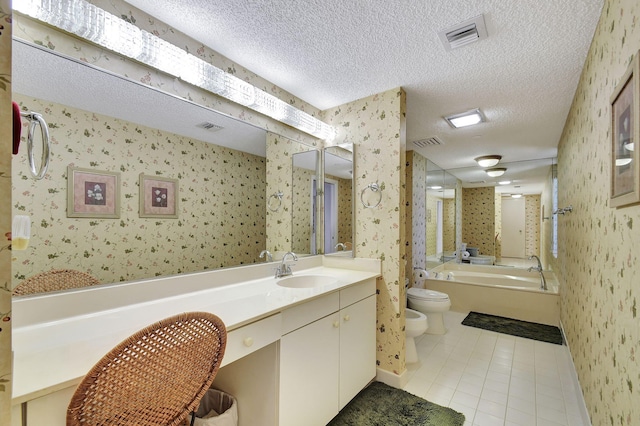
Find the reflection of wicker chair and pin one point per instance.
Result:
(57, 279)
(155, 377)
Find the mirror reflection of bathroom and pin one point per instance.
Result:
(304, 214)
(338, 200)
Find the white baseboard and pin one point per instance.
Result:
(584, 413)
(392, 379)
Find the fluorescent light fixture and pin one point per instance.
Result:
(488, 160)
(464, 119)
(504, 182)
(623, 161)
(516, 195)
(109, 31)
(496, 172)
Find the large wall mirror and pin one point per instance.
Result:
(440, 215)
(106, 123)
(338, 200)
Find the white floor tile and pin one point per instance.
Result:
(496, 379)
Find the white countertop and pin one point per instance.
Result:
(57, 339)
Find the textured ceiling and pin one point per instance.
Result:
(329, 52)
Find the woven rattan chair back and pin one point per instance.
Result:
(155, 377)
(57, 279)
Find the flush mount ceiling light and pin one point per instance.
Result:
(488, 160)
(629, 146)
(436, 187)
(623, 161)
(464, 119)
(504, 182)
(516, 195)
(91, 23)
(495, 172)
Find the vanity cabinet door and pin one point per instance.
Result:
(309, 366)
(357, 348)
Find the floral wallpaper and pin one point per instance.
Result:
(301, 214)
(416, 213)
(6, 132)
(345, 211)
(497, 250)
(221, 201)
(598, 263)
(449, 224)
(376, 125)
(279, 228)
(478, 223)
(532, 206)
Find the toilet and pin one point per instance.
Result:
(431, 303)
(416, 324)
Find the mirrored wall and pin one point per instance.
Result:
(338, 198)
(225, 178)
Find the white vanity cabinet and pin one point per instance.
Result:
(327, 354)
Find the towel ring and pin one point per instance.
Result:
(276, 195)
(36, 119)
(374, 187)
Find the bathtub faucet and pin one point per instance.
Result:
(543, 281)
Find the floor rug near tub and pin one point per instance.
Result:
(382, 405)
(529, 330)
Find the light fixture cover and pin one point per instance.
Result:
(495, 172)
(516, 195)
(464, 119)
(504, 182)
(488, 160)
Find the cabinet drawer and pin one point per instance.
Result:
(357, 292)
(306, 313)
(244, 340)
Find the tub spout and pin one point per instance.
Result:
(543, 281)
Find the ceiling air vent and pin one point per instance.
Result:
(464, 33)
(423, 143)
(209, 126)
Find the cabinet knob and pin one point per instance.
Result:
(336, 324)
(248, 341)
(347, 317)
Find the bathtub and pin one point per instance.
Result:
(497, 290)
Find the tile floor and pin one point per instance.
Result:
(495, 379)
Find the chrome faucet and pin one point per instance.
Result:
(543, 281)
(283, 270)
(266, 253)
(340, 245)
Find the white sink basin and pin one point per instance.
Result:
(305, 281)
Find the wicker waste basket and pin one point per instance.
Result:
(217, 408)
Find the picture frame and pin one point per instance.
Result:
(625, 136)
(93, 193)
(158, 197)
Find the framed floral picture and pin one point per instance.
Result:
(625, 132)
(158, 197)
(93, 193)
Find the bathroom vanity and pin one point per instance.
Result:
(298, 349)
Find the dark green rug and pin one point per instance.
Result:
(529, 330)
(382, 405)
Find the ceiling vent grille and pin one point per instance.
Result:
(210, 126)
(464, 33)
(423, 143)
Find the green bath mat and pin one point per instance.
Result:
(382, 405)
(529, 330)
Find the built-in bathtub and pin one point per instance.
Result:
(497, 290)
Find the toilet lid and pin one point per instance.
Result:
(425, 294)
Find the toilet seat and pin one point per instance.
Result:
(426, 294)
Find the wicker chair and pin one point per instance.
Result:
(155, 377)
(57, 279)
